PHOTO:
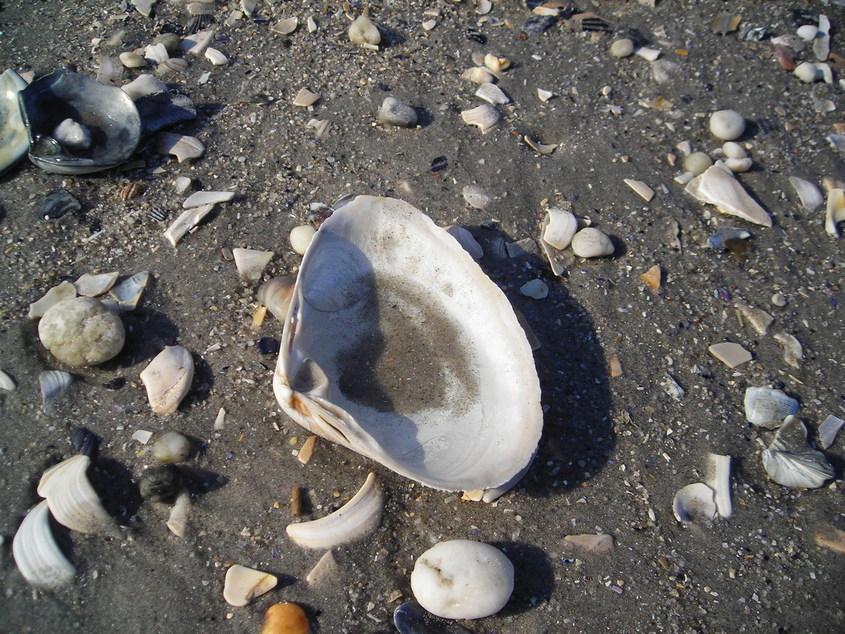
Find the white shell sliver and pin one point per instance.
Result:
(397, 346)
(36, 553)
(791, 463)
(72, 499)
(356, 519)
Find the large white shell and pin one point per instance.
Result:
(36, 553)
(168, 379)
(791, 463)
(718, 187)
(397, 346)
(356, 519)
(72, 499)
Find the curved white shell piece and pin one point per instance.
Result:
(791, 463)
(694, 502)
(356, 519)
(36, 553)
(397, 346)
(71, 498)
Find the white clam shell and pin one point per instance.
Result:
(243, 584)
(355, 520)
(399, 347)
(766, 407)
(791, 463)
(37, 554)
(462, 579)
(485, 117)
(168, 379)
(694, 503)
(71, 498)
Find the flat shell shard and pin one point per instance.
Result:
(428, 372)
(540, 148)
(652, 278)
(645, 192)
(53, 384)
(185, 222)
(834, 211)
(354, 521)
(485, 117)
(759, 319)
(694, 503)
(37, 554)
(597, 544)
(718, 187)
(793, 352)
(719, 479)
(467, 241)
(177, 523)
(89, 285)
(731, 354)
(183, 147)
(324, 571)
(828, 430)
(168, 378)
(63, 291)
(766, 407)
(243, 584)
(305, 98)
(251, 263)
(200, 199)
(809, 195)
(491, 93)
(791, 463)
(72, 499)
(128, 293)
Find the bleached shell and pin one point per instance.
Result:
(589, 242)
(793, 352)
(738, 165)
(197, 43)
(63, 291)
(186, 221)
(168, 379)
(6, 382)
(828, 430)
(37, 554)
(718, 187)
(89, 285)
(719, 479)
(491, 93)
(301, 237)
(834, 211)
(128, 293)
(484, 116)
(810, 196)
(464, 413)
(791, 463)
(305, 98)
(200, 199)
(72, 499)
(216, 57)
(53, 384)
(13, 137)
(355, 520)
(324, 571)
(276, 294)
(243, 584)
(766, 407)
(285, 26)
(694, 503)
(182, 146)
(251, 263)
(478, 75)
(467, 241)
(475, 196)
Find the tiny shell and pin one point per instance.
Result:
(72, 499)
(475, 197)
(276, 294)
(355, 520)
(544, 95)
(540, 148)
(243, 584)
(791, 463)
(651, 278)
(759, 319)
(285, 26)
(37, 554)
(89, 285)
(536, 289)
(792, 350)
(766, 407)
(171, 447)
(485, 117)
(809, 195)
(807, 72)
(496, 64)
(63, 291)
(200, 199)
(300, 238)
(185, 222)
(168, 379)
(285, 618)
(251, 263)
(560, 227)
(216, 57)
(6, 382)
(738, 165)
(53, 384)
(156, 53)
(694, 503)
(828, 430)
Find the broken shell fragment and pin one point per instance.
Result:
(6, 382)
(589, 242)
(793, 352)
(128, 293)
(200, 199)
(718, 187)
(759, 319)
(285, 26)
(475, 196)
(791, 463)
(13, 138)
(182, 146)
(694, 503)
(496, 64)
(276, 294)
(305, 98)
(467, 241)
(719, 479)
(216, 57)
(177, 522)
(559, 228)
(540, 148)
(243, 584)
(645, 192)
(809, 195)
(478, 75)
(459, 411)
(53, 384)
(59, 293)
(491, 93)
(37, 554)
(251, 263)
(766, 407)
(834, 212)
(355, 520)
(363, 32)
(828, 430)
(485, 117)
(81, 332)
(411, 618)
(168, 379)
(185, 222)
(462, 579)
(90, 285)
(324, 571)
(72, 499)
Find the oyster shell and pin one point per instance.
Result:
(105, 111)
(426, 371)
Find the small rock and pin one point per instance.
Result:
(727, 125)
(591, 243)
(363, 32)
(300, 238)
(622, 48)
(396, 113)
(536, 289)
(697, 163)
(171, 447)
(81, 332)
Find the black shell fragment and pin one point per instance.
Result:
(57, 203)
(537, 24)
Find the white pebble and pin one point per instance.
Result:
(462, 579)
(536, 289)
(591, 243)
(697, 163)
(622, 48)
(727, 125)
(734, 150)
(807, 32)
(171, 447)
(300, 238)
(396, 113)
(737, 165)
(363, 32)
(807, 72)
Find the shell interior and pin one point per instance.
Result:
(399, 347)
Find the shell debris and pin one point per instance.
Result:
(53, 384)
(89, 285)
(485, 117)
(168, 379)
(645, 192)
(718, 187)
(276, 294)
(652, 278)
(540, 148)
(251, 263)
(36, 553)
(182, 146)
(731, 354)
(767, 407)
(834, 211)
(200, 199)
(71, 498)
(128, 293)
(6, 382)
(790, 462)
(324, 571)
(186, 221)
(59, 293)
(243, 584)
(305, 98)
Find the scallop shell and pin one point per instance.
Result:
(72, 499)
(356, 519)
(53, 384)
(485, 117)
(766, 407)
(37, 554)
(791, 463)
(399, 347)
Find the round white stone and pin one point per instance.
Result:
(171, 447)
(727, 125)
(807, 32)
(301, 237)
(806, 72)
(734, 150)
(697, 162)
(462, 579)
(591, 243)
(622, 48)
(81, 332)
